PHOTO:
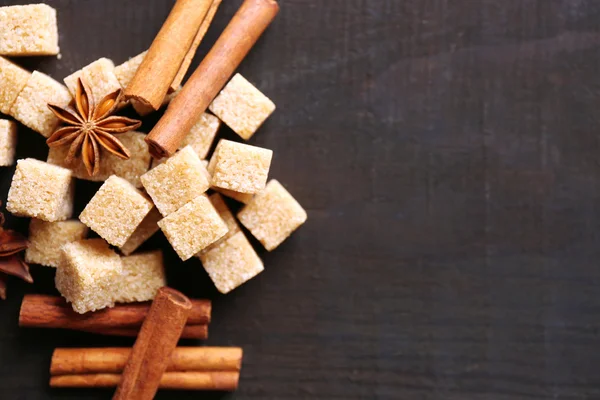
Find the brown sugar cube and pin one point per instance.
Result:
(99, 76)
(177, 181)
(232, 263)
(41, 190)
(28, 30)
(46, 240)
(244, 198)
(116, 210)
(202, 134)
(239, 167)
(89, 275)
(31, 106)
(126, 71)
(8, 142)
(130, 170)
(144, 231)
(232, 225)
(242, 106)
(12, 80)
(143, 274)
(272, 215)
(193, 227)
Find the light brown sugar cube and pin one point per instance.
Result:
(99, 76)
(31, 106)
(126, 71)
(89, 275)
(193, 227)
(145, 230)
(130, 170)
(46, 240)
(143, 275)
(12, 80)
(8, 142)
(240, 167)
(242, 106)
(232, 225)
(41, 190)
(28, 30)
(232, 263)
(116, 210)
(272, 215)
(244, 198)
(177, 181)
(202, 134)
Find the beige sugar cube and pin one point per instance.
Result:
(232, 225)
(28, 30)
(232, 263)
(41, 190)
(272, 215)
(116, 210)
(240, 167)
(126, 71)
(242, 106)
(143, 274)
(193, 227)
(177, 181)
(130, 170)
(46, 240)
(31, 106)
(8, 142)
(244, 198)
(89, 275)
(145, 230)
(12, 80)
(202, 134)
(99, 76)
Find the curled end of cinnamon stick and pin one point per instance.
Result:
(175, 297)
(156, 150)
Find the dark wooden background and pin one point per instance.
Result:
(448, 154)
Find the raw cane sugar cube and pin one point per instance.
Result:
(126, 71)
(89, 275)
(242, 106)
(41, 190)
(99, 76)
(31, 105)
(144, 231)
(272, 215)
(46, 240)
(202, 134)
(240, 167)
(219, 204)
(130, 170)
(12, 80)
(28, 30)
(177, 181)
(232, 263)
(143, 274)
(193, 227)
(8, 142)
(244, 198)
(116, 210)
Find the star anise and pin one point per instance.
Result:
(89, 127)
(11, 263)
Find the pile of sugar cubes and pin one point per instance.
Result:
(139, 196)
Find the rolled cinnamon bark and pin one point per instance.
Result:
(112, 360)
(189, 331)
(40, 311)
(165, 56)
(218, 380)
(156, 341)
(220, 63)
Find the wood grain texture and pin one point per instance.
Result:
(447, 154)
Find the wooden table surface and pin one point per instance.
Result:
(448, 154)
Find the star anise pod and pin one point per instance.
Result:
(11, 263)
(89, 127)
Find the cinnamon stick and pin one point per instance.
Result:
(189, 331)
(80, 361)
(220, 380)
(220, 63)
(156, 341)
(165, 56)
(40, 311)
(187, 60)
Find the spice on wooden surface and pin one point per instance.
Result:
(158, 338)
(165, 56)
(250, 21)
